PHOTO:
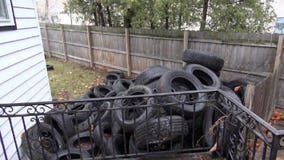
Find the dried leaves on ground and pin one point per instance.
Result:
(69, 80)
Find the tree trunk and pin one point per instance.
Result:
(152, 25)
(166, 17)
(95, 18)
(101, 14)
(204, 15)
(94, 11)
(109, 16)
(128, 18)
(180, 16)
(179, 21)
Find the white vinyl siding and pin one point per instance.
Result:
(22, 69)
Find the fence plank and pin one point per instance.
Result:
(127, 47)
(89, 40)
(47, 41)
(64, 43)
(185, 39)
(185, 42)
(249, 96)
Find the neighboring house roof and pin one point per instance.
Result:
(279, 25)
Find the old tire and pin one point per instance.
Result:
(191, 56)
(207, 77)
(208, 122)
(41, 141)
(61, 121)
(70, 153)
(150, 74)
(110, 78)
(116, 145)
(120, 73)
(230, 93)
(78, 112)
(241, 83)
(176, 81)
(87, 139)
(160, 131)
(122, 85)
(130, 118)
(101, 90)
(102, 133)
(132, 146)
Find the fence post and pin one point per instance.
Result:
(185, 42)
(249, 96)
(90, 47)
(127, 50)
(276, 74)
(185, 39)
(64, 43)
(47, 41)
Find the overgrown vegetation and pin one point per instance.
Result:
(214, 15)
(69, 80)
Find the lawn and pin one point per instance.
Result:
(69, 80)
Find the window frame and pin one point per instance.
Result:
(10, 22)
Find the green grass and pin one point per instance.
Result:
(69, 80)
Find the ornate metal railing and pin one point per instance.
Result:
(192, 122)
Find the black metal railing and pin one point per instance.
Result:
(140, 125)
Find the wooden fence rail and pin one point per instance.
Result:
(247, 55)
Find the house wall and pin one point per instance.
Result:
(23, 72)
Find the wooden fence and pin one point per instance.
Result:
(247, 55)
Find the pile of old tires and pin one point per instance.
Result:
(114, 126)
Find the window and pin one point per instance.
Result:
(7, 19)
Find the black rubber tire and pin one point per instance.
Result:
(153, 86)
(115, 127)
(101, 90)
(111, 94)
(110, 78)
(196, 127)
(134, 150)
(230, 93)
(150, 74)
(173, 81)
(78, 112)
(102, 133)
(160, 131)
(129, 122)
(208, 121)
(238, 82)
(115, 145)
(89, 93)
(49, 67)
(42, 140)
(207, 77)
(61, 121)
(122, 85)
(191, 56)
(70, 153)
(102, 113)
(120, 73)
(83, 138)
(132, 146)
